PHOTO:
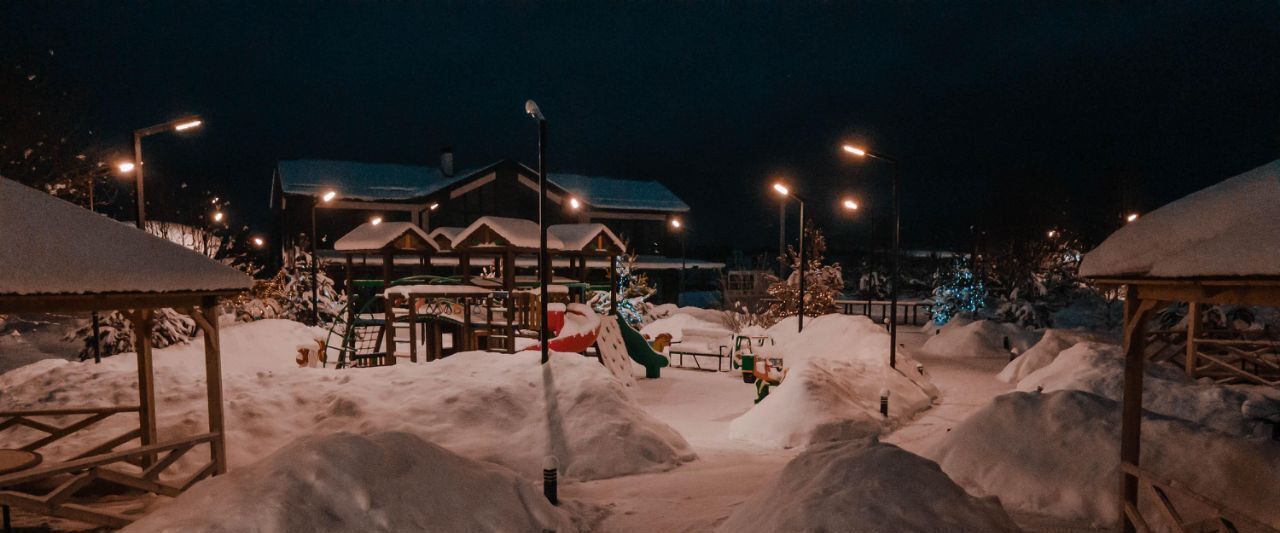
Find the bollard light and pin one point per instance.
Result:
(550, 465)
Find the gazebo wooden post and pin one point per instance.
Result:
(464, 262)
(613, 284)
(1193, 330)
(388, 258)
(146, 384)
(351, 276)
(509, 271)
(1136, 312)
(208, 320)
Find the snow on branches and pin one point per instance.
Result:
(823, 283)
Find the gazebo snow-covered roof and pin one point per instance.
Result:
(580, 237)
(52, 247)
(370, 237)
(498, 232)
(442, 237)
(1227, 230)
(1220, 245)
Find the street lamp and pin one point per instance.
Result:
(678, 227)
(574, 204)
(1132, 217)
(181, 124)
(327, 197)
(375, 220)
(786, 193)
(897, 223)
(531, 108)
(849, 204)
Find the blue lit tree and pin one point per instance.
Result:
(959, 292)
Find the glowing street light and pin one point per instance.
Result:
(850, 204)
(1132, 217)
(258, 242)
(1052, 234)
(124, 167)
(574, 203)
(786, 193)
(329, 196)
(217, 216)
(181, 124)
(782, 189)
(375, 220)
(897, 224)
(433, 207)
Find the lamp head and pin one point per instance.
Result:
(187, 123)
(574, 203)
(433, 207)
(782, 189)
(531, 108)
(855, 150)
(124, 167)
(375, 220)
(850, 204)
(258, 242)
(1132, 217)
(675, 223)
(329, 196)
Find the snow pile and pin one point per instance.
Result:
(1099, 369)
(346, 482)
(838, 369)
(1039, 356)
(1058, 454)
(979, 338)
(691, 331)
(1228, 229)
(485, 406)
(865, 486)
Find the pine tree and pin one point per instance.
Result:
(823, 283)
(960, 291)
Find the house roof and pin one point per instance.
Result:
(361, 181)
(613, 193)
(1227, 230)
(370, 236)
(519, 232)
(578, 236)
(53, 247)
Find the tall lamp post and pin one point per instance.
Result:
(786, 193)
(544, 277)
(678, 227)
(327, 197)
(182, 124)
(897, 223)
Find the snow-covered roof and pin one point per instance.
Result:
(1227, 230)
(370, 236)
(449, 233)
(521, 233)
(578, 236)
(361, 181)
(50, 246)
(614, 193)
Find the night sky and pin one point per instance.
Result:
(1014, 117)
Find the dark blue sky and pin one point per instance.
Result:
(1015, 115)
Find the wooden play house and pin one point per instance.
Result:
(1217, 247)
(61, 258)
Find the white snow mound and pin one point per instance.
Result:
(1039, 356)
(347, 482)
(485, 406)
(838, 368)
(979, 338)
(860, 486)
(1059, 454)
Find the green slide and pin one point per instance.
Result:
(640, 351)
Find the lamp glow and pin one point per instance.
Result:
(782, 189)
(329, 196)
(1132, 217)
(1052, 234)
(183, 126)
(258, 242)
(855, 150)
(850, 204)
(675, 223)
(433, 207)
(124, 167)
(375, 220)
(217, 216)
(574, 203)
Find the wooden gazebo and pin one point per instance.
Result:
(58, 257)
(1220, 245)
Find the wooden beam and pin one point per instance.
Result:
(146, 375)
(1193, 331)
(213, 381)
(1136, 312)
(67, 303)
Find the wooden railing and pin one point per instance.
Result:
(54, 433)
(1162, 492)
(19, 490)
(909, 311)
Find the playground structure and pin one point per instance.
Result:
(466, 290)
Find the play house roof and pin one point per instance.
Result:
(1227, 230)
(579, 236)
(370, 237)
(517, 232)
(443, 236)
(52, 247)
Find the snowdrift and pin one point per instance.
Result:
(1058, 454)
(347, 482)
(1099, 369)
(1039, 356)
(838, 368)
(485, 406)
(864, 486)
(980, 338)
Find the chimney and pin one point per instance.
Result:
(446, 161)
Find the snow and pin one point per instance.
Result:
(1228, 229)
(865, 486)
(404, 291)
(449, 233)
(485, 406)
(578, 236)
(347, 482)
(962, 337)
(838, 369)
(54, 247)
(370, 236)
(360, 181)
(1058, 454)
(613, 193)
(1039, 356)
(692, 332)
(1098, 369)
(519, 232)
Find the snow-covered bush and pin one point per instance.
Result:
(115, 332)
(823, 283)
(633, 290)
(288, 294)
